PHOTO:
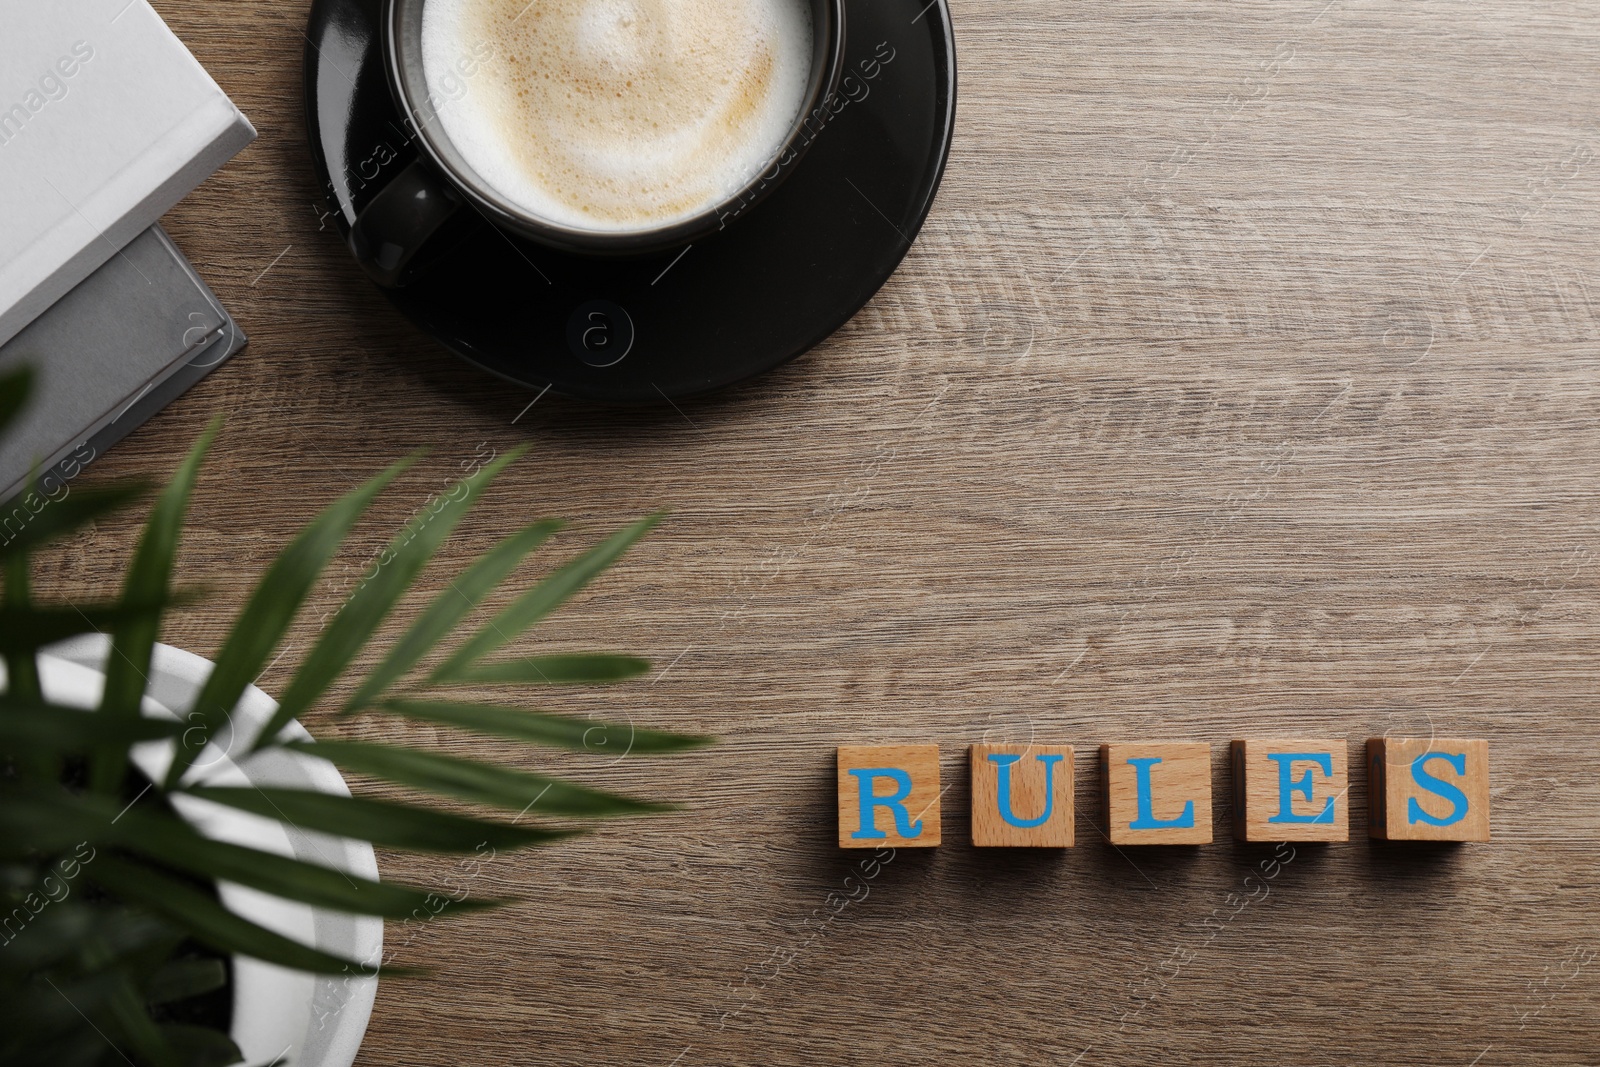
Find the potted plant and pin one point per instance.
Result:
(172, 843)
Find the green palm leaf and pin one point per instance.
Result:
(172, 843)
(22, 670)
(127, 1010)
(372, 601)
(270, 610)
(71, 732)
(483, 783)
(449, 608)
(182, 979)
(71, 512)
(63, 931)
(114, 952)
(54, 823)
(14, 389)
(24, 628)
(544, 598)
(198, 1046)
(40, 822)
(379, 822)
(584, 669)
(208, 922)
(584, 735)
(44, 1025)
(149, 576)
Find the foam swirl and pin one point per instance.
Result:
(615, 115)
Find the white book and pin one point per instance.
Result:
(106, 121)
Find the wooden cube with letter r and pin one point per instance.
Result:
(1291, 790)
(1427, 789)
(888, 796)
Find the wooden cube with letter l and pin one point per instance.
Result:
(1427, 789)
(888, 796)
(1022, 796)
(1293, 790)
(1157, 793)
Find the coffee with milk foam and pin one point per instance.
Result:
(617, 115)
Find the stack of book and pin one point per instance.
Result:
(106, 121)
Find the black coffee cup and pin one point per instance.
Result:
(398, 222)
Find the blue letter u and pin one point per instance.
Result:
(1003, 792)
(1147, 819)
(895, 802)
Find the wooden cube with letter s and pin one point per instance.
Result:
(888, 796)
(1427, 789)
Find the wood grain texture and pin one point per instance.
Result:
(1314, 788)
(1242, 383)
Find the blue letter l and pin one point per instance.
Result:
(1147, 819)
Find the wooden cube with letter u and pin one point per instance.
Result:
(888, 796)
(1022, 796)
(1427, 789)
(1157, 793)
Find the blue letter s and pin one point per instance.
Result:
(1457, 799)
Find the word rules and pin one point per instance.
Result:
(1159, 793)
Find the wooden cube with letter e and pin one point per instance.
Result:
(1427, 789)
(1157, 793)
(1293, 790)
(1022, 796)
(888, 796)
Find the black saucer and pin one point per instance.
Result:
(778, 280)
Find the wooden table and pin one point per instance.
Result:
(1244, 380)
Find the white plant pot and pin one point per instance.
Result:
(278, 1014)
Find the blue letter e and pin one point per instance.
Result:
(1301, 785)
(1147, 819)
(895, 802)
(1457, 799)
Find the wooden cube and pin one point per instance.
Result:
(1427, 789)
(888, 796)
(1022, 796)
(1293, 790)
(1157, 793)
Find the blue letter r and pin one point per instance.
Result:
(895, 802)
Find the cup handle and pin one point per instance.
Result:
(392, 229)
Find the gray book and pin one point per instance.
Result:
(124, 343)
